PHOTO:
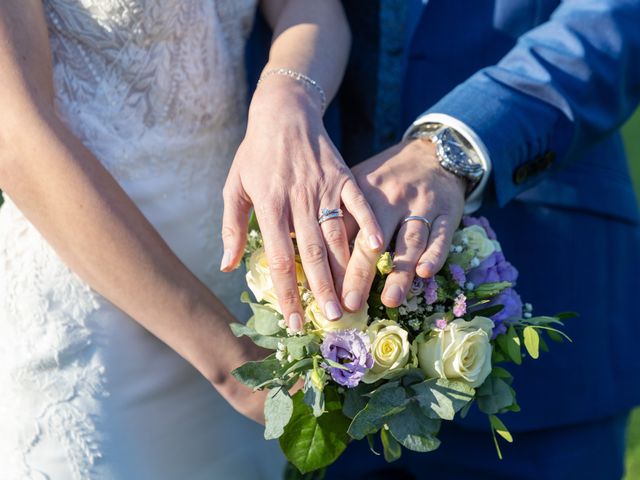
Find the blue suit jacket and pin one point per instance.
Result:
(546, 85)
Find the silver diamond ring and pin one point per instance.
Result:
(329, 213)
(418, 218)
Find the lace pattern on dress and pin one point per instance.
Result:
(50, 363)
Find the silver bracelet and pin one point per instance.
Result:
(301, 77)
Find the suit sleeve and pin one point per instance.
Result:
(566, 85)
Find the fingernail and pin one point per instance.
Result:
(394, 294)
(353, 300)
(374, 242)
(426, 269)
(295, 322)
(332, 310)
(226, 260)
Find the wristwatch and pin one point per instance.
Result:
(453, 151)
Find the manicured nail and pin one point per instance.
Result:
(353, 300)
(295, 322)
(374, 242)
(226, 260)
(332, 310)
(394, 294)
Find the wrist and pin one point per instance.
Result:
(424, 150)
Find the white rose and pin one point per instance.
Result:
(462, 351)
(357, 320)
(390, 349)
(477, 241)
(259, 278)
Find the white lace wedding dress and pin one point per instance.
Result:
(155, 89)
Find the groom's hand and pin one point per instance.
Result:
(401, 181)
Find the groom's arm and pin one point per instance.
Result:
(565, 86)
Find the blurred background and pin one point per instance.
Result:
(632, 140)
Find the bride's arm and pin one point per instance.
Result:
(91, 222)
(287, 167)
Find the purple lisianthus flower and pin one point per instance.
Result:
(460, 305)
(512, 310)
(494, 268)
(481, 221)
(457, 273)
(430, 291)
(351, 348)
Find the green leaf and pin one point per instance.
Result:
(564, 315)
(313, 396)
(500, 429)
(490, 290)
(542, 320)
(502, 373)
(299, 346)
(509, 343)
(485, 312)
(384, 403)
(254, 374)
(392, 449)
(414, 430)
(298, 366)
(310, 442)
(265, 319)
(354, 401)
(441, 398)
(555, 336)
(392, 313)
(531, 342)
(331, 363)
(494, 395)
(278, 409)
(263, 341)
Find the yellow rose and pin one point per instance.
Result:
(390, 349)
(259, 278)
(461, 351)
(357, 320)
(476, 239)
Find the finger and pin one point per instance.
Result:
(411, 243)
(437, 250)
(335, 238)
(357, 204)
(361, 271)
(282, 262)
(315, 262)
(235, 221)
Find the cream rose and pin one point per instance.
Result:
(357, 320)
(461, 351)
(476, 239)
(259, 278)
(390, 349)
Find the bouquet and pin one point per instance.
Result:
(393, 372)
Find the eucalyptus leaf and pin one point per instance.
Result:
(494, 396)
(414, 430)
(254, 374)
(265, 319)
(383, 404)
(441, 398)
(298, 346)
(354, 401)
(509, 343)
(531, 342)
(312, 443)
(500, 428)
(313, 396)
(263, 341)
(278, 409)
(486, 312)
(391, 448)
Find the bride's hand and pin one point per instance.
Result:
(288, 169)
